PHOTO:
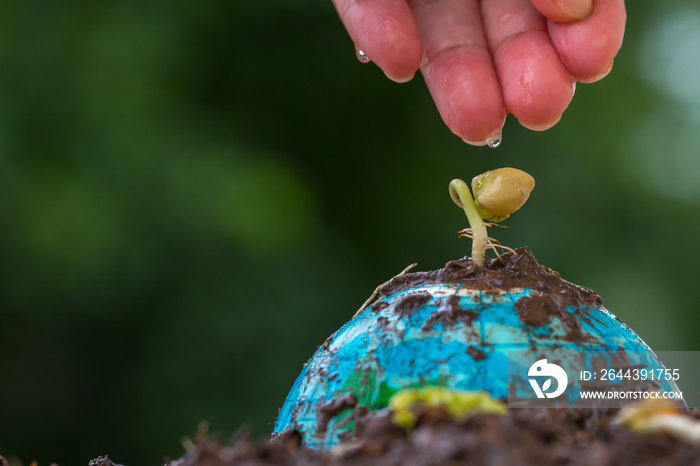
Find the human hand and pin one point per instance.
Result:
(482, 59)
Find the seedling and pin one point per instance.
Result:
(497, 194)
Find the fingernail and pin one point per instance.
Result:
(578, 9)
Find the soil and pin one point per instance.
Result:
(533, 436)
(510, 270)
(327, 410)
(99, 461)
(523, 437)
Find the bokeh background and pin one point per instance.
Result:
(194, 195)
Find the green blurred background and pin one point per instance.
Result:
(194, 195)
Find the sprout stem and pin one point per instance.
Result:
(460, 191)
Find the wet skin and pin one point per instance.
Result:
(482, 59)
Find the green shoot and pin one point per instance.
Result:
(459, 191)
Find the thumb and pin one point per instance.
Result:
(564, 11)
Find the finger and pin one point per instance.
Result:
(536, 85)
(564, 11)
(386, 32)
(458, 69)
(588, 47)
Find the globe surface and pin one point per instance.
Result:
(462, 328)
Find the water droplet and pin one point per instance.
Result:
(493, 143)
(362, 56)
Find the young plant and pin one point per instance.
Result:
(497, 194)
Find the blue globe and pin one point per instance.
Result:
(455, 330)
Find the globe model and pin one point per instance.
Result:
(473, 328)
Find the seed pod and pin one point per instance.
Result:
(499, 193)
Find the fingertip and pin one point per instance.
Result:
(398, 57)
(386, 33)
(537, 88)
(399, 77)
(588, 47)
(465, 89)
(399, 62)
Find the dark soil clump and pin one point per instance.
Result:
(102, 461)
(536, 436)
(412, 302)
(550, 299)
(326, 410)
(451, 313)
(519, 270)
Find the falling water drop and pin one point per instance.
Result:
(493, 143)
(362, 56)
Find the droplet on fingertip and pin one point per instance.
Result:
(362, 56)
(491, 142)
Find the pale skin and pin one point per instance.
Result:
(483, 59)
